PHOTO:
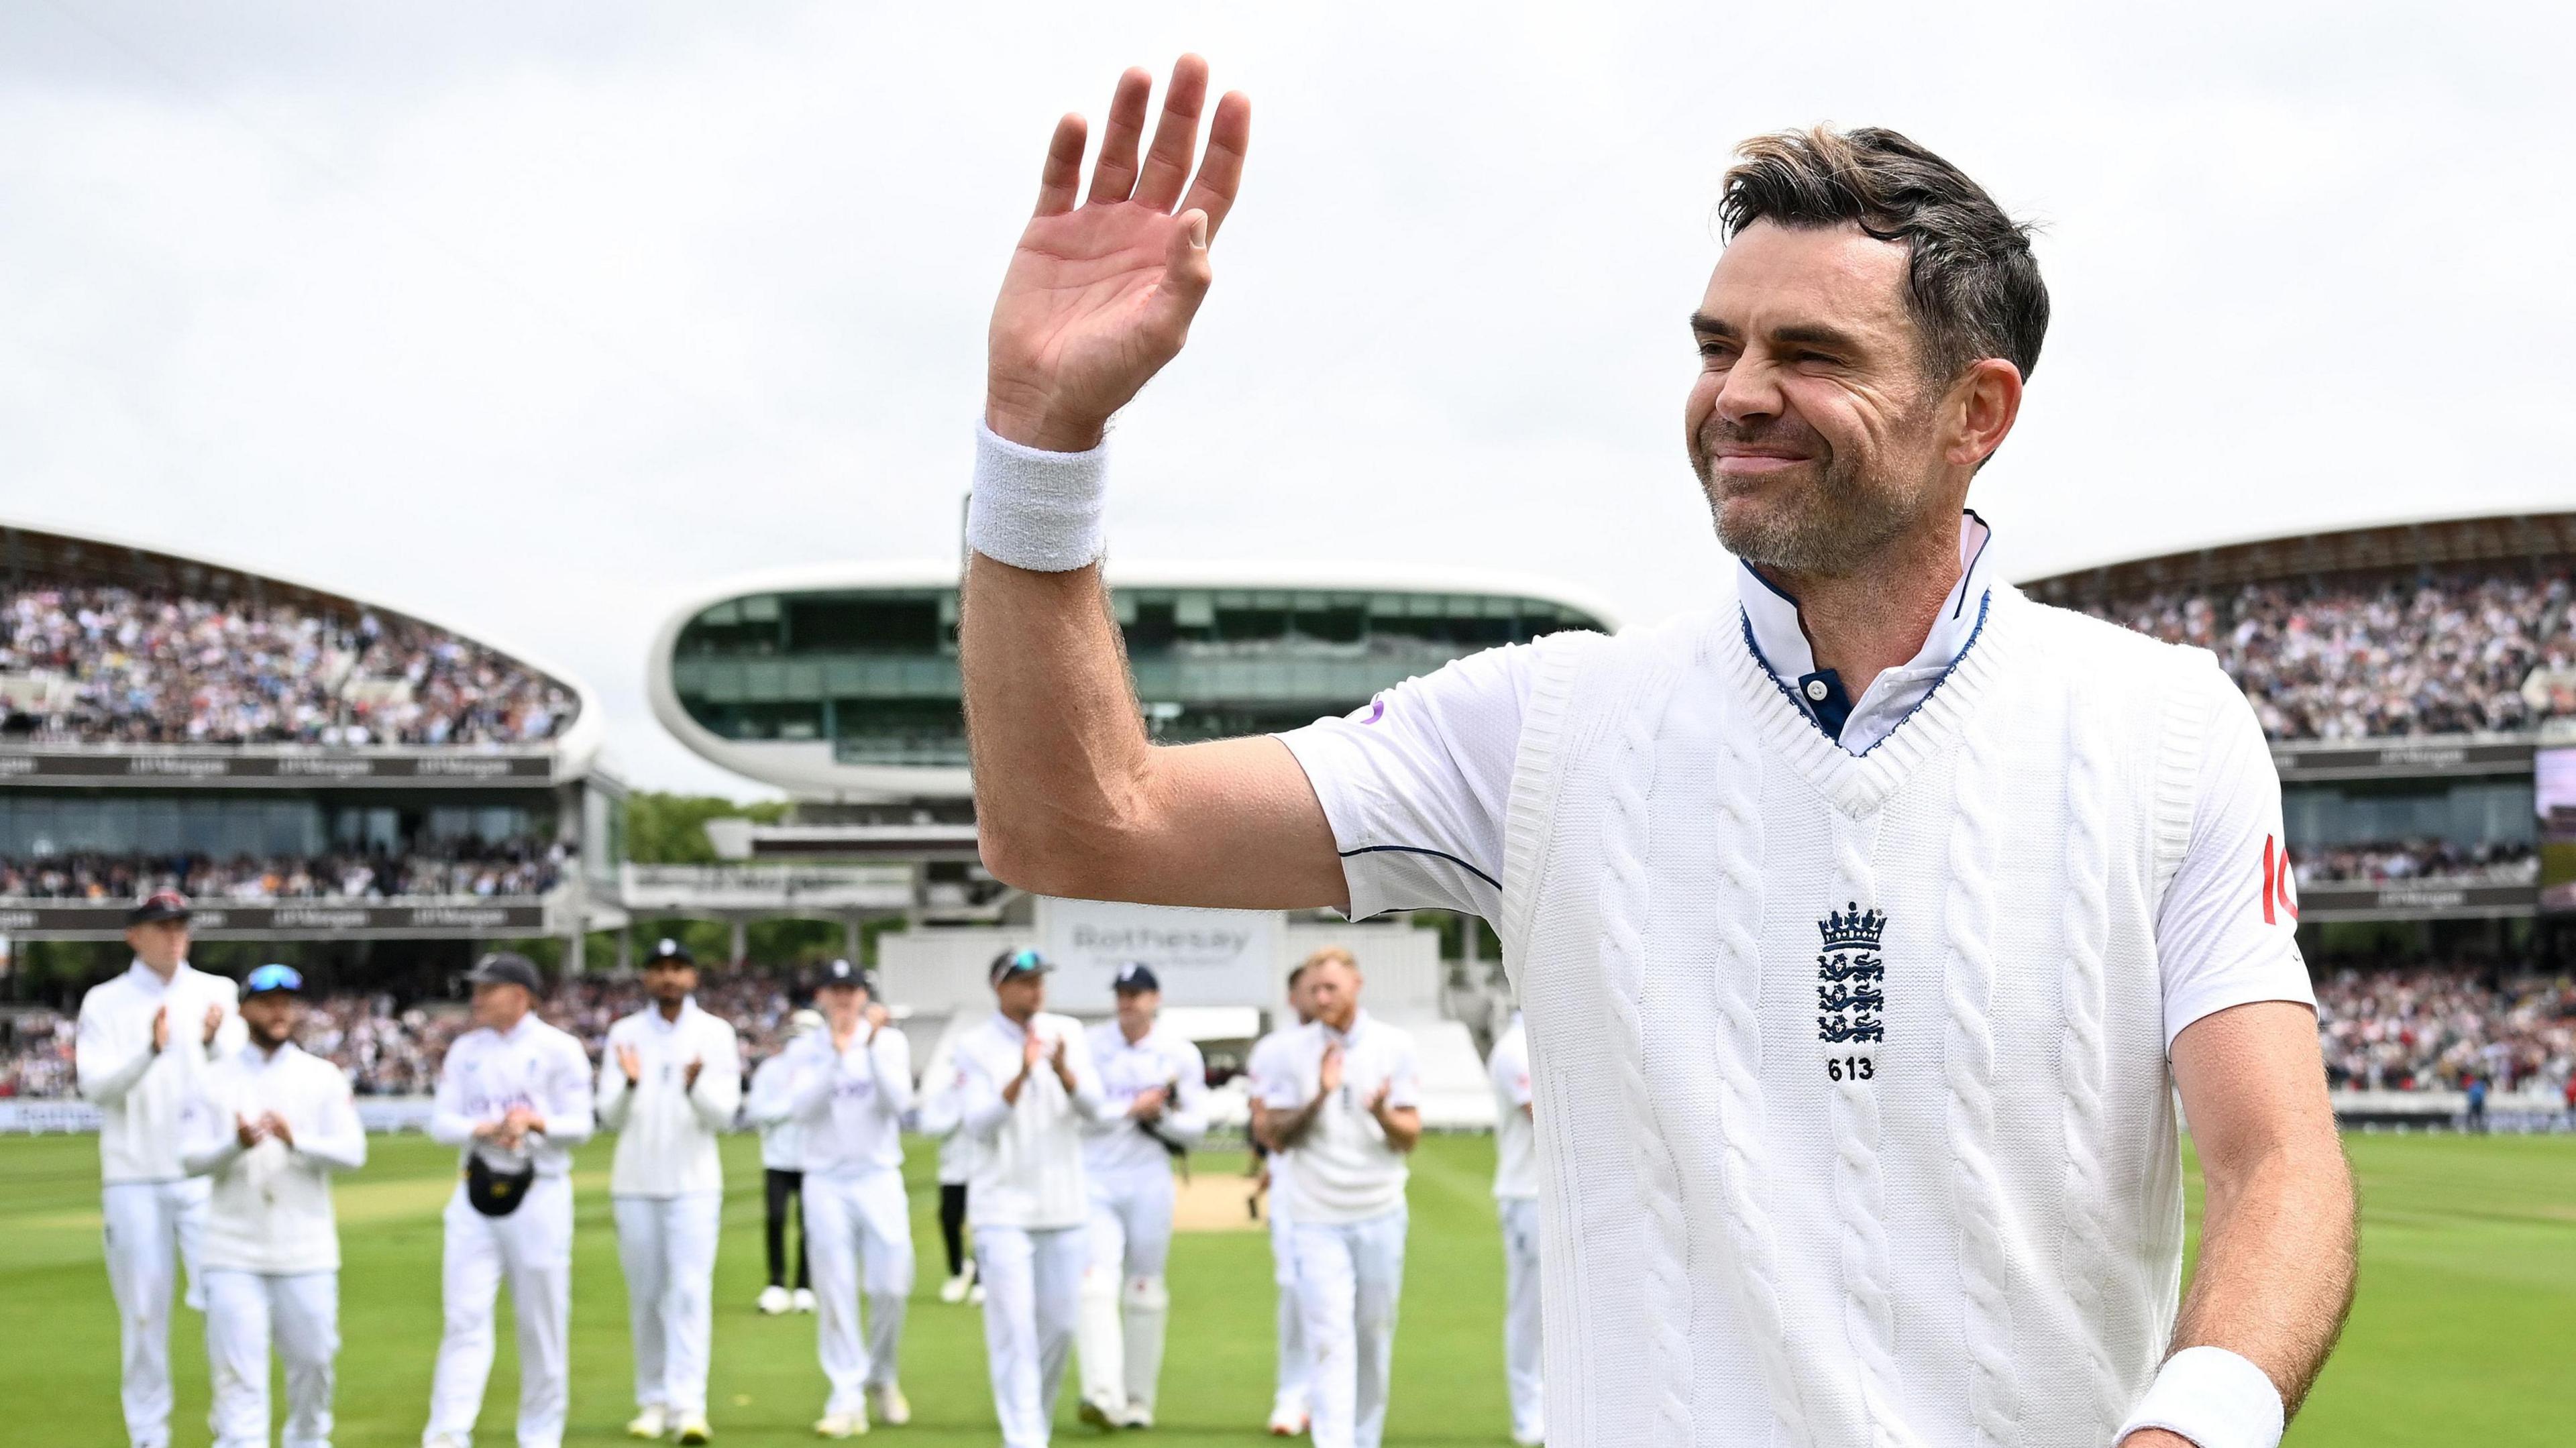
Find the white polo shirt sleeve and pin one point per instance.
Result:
(1403, 1074)
(1416, 783)
(2227, 929)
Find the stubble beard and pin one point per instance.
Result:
(1832, 527)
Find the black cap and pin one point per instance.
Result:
(843, 973)
(668, 949)
(1135, 977)
(1019, 962)
(503, 967)
(159, 905)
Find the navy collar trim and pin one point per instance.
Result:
(1985, 608)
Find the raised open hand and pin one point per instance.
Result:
(1328, 1075)
(1100, 295)
(213, 1023)
(630, 1061)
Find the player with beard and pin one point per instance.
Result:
(1867, 923)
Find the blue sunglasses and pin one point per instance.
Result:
(273, 977)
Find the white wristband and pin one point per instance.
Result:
(1034, 509)
(2212, 1397)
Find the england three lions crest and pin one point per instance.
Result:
(1851, 990)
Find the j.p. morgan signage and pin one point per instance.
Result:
(1202, 957)
(289, 919)
(162, 768)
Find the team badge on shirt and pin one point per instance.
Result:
(1851, 989)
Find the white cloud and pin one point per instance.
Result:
(534, 320)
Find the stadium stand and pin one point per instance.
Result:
(2504, 862)
(100, 664)
(510, 867)
(2419, 1028)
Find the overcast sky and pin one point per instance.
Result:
(533, 319)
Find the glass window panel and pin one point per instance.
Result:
(1193, 610)
(760, 608)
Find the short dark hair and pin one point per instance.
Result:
(1972, 285)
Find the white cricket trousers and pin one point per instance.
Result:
(1349, 1278)
(1125, 1303)
(858, 1237)
(1032, 1283)
(533, 1246)
(245, 1312)
(667, 1246)
(1521, 1319)
(152, 1230)
(1296, 1361)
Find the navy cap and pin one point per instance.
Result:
(503, 967)
(159, 905)
(667, 949)
(1019, 962)
(846, 975)
(1135, 976)
(267, 978)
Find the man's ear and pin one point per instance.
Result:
(1980, 410)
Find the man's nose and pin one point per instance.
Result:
(1751, 391)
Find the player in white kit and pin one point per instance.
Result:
(782, 1174)
(1029, 1085)
(145, 1039)
(270, 1127)
(514, 1096)
(669, 1080)
(938, 1115)
(1516, 1203)
(1155, 1084)
(1296, 1370)
(1347, 1096)
(848, 1086)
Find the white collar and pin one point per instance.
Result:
(150, 979)
(1781, 639)
(1359, 1025)
(653, 1014)
(254, 1059)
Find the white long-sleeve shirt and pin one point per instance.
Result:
(850, 1103)
(534, 1065)
(1515, 1135)
(666, 1127)
(1117, 1142)
(940, 1114)
(142, 1092)
(1347, 1171)
(270, 1210)
(1267, 1064)
(767, 1108)
(1030, 1172)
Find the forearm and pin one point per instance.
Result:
(1287, 1130)
(340, 1147)
(2277, 1264)
(1061, 787)
(102, 1084)
(1402, 1125)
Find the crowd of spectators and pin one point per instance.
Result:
(2440, 1027)
(2347, 659)
(456, 868)
(392, 1049)
(2394, 862)
(152, 669)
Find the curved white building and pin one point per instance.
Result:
(839, 684)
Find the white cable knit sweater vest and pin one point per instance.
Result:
(1851, 1098)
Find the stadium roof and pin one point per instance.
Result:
(2380, 548)
(54, 555)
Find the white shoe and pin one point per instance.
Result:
(1138, 1415)
(1287, 1420)
(1535, 1440)
(694, 1429)
(649, 1423)
(1100, 1412)
(773, 1300)
(975, 1295)
(953, 1291)
(445, 1440)
(804, 1299)
(841, 1425)
(892, 1408)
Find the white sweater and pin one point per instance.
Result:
(848, 1105)
(139, 1092)
(666, 1127)
(1854, 1118)
(534, 1065)
(1029, 1174)
(271, 1206)
(1116, 1144)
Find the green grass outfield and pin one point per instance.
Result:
(2467, 1311)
